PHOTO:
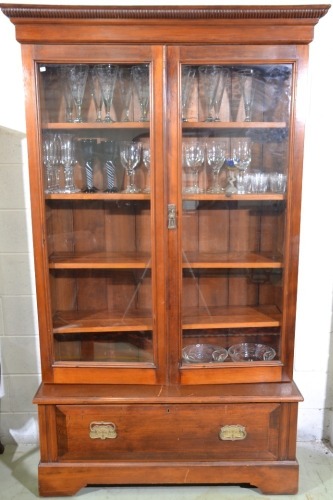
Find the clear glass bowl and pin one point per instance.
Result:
(251, 352)
(199, 353)
(219, 355)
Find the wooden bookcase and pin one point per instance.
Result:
(137, 267)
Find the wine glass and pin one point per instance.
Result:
(146, 163)
(107, 75)
(51, 160)
(67, 92)
(194, 156)
(215, 154)
(125, 91)
(209, 79)
(223, 80)
(68, 160)
(109, 149)
(241, 156)
(188, 78)
(247, 84)
(87, 159)
(96, 92)
(77, 76)
(140, 75)
(130, 155)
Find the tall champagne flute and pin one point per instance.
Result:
(68, 160)
(241, 157)
(188, 79)
(51, 160)
(107, 75)
(215, 154)
(96, 92)
(194, 156)
(248, 85)
(209, 79)
(125, 91)
(140, 75)
(146, 163)
(223, 81)
(87, 160)
(67, 92)
(77, 76)
(130, 156)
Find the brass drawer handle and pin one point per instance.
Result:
(232, 433)
(103, 430)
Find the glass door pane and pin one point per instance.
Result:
(96, 173)
(235, 150)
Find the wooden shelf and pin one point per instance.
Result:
(234, 125)
(232, 197)
(231, 317)
(98, 196)
(81, 322)
(95, 125)
(100, 260)
(232, 260)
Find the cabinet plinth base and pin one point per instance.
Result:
(67, 479)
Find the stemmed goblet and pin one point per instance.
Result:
(68, 160)
(146, 163)
(209, 79)
(194, 156)
(140, 74)
(188, 78)
(241, 156)
(109, 149)
(77, 77)
(107, 75)
(87, 160)
(215, 153)
(222, 83)
(125, 91)
(130, 155)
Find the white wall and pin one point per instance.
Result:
(18, 325)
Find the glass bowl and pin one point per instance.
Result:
(219, 355)
(251, 352)
(199, 353)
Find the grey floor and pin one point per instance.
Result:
(18, 480)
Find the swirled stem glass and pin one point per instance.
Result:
(130, 156)
(110, 172)
(87, 160)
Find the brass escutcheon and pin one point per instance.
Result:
(232, 433)
(102, 430)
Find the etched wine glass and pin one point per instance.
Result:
(248, 85)
(130, 156)
(209, 79)
(222, 83)
(109, 150)
(194, 156)
(96, 92)
(68, 160)
(241, 156)
(140, 74)
(77, 76)
(87, 160)
(125, 91)
(67, 92)
(146, 163)
(107, 75)
(188, 79)
(215, 154)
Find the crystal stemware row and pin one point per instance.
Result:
(61, 152)
(103, 79)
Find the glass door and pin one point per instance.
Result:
(234, 177)
(98, 148)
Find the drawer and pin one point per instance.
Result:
(168, 432)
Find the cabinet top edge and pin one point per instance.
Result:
(235, 12)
